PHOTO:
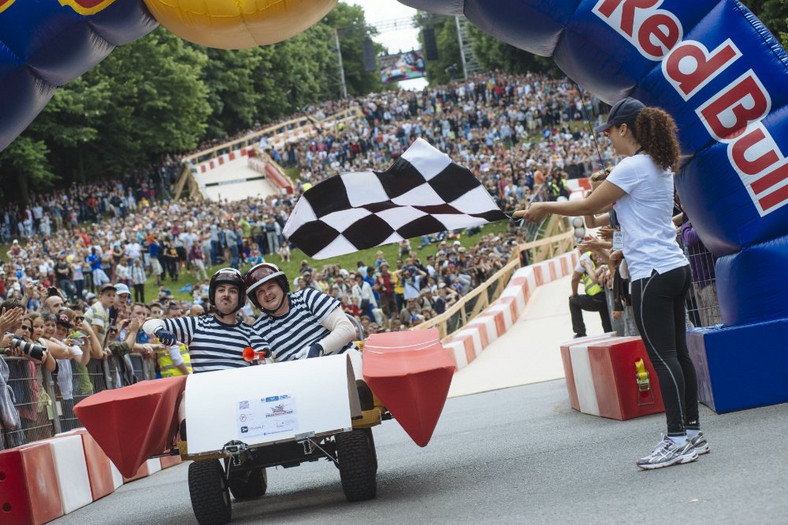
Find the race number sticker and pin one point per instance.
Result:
(266, 416)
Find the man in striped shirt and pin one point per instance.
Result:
(303, 324)
(217, 341)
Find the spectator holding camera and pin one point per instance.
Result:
(411, 280)
(78, 345)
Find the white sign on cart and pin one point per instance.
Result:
(269, 404)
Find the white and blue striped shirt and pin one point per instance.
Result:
(300, 326)
(212, 344)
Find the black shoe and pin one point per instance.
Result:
(578, 336)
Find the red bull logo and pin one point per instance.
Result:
(733, 116)
(5, 4)
(83, 7)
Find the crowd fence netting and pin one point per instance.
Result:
(40, 403)
(703, 307)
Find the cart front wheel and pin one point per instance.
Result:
(357, 465)
(209, 492)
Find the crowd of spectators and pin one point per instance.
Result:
(79, 258)
(512, 131)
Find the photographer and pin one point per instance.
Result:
(77, 343)
(17, 331)
(411, 280)
(26, 375)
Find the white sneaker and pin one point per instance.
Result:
(700, 444)
(668, 453)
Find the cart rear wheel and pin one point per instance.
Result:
(357, 464)
(209, 492)
(249, 484)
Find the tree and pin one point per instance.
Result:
(229, 79)
(352, 29)
(69, 123)
(773, 14)
(492, 54)
(25, 162)
(157, 99)
(448, 65)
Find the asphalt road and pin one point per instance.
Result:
(517, 455)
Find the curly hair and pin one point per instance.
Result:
(655, 130)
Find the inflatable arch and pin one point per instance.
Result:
(710, 63)
(724, 78)
(46, 43)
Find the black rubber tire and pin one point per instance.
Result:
(248, 485)
(209, 492)
(357, 464)
(371, 439)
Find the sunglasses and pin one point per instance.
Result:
(26, 328)
(79, 319)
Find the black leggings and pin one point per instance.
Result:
(658, 302)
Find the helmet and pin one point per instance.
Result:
(263, 273)
(229, 276)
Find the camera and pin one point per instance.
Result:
(77, 338)
(33, 350)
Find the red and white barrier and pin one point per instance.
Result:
(170, 461)
(72, 472)
(579, 184)
(46, 479)
(103, 475)
(467, 344)
(208, 165)
(602, 377)
(146, 469)
(29, 491)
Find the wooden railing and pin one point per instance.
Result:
(305, 123)
(462, 312)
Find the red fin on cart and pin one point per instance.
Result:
(410, 372)
(132, 424)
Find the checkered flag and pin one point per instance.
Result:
(423, 192)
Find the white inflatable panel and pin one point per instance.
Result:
(271, 403)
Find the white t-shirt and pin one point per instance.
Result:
(645, 215)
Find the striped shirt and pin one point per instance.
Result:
(300, 326)
(212, 344)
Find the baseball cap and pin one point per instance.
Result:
(107, 287)
(624, 111)
(121, 288)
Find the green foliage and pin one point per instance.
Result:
(353, 30)
(773, 14)
(493, 54)
(229, 78)
(158, 101)
(25, 162)
(448, 65)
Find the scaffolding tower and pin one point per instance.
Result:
(469, 63)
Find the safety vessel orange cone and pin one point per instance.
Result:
(410, 372)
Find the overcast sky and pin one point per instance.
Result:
(403, 39)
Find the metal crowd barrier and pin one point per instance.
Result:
(42, 403)
(703, 307)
